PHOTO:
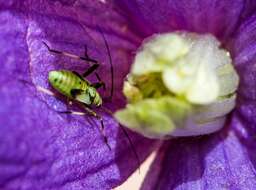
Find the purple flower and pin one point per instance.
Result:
(42, 149)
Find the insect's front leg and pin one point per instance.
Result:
(100, 81)
(91, 70)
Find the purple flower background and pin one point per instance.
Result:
(41, 149)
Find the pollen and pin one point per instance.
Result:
(180, 84)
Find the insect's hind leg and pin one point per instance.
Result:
(67, 54)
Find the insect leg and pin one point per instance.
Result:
(50, 93)
(86, 51)
(127, 136)
(90, 70)
(69, 54)
(102, 127)
(69, 103)
(72, 112)
(94, 114)
(100, 83)
(131, 145)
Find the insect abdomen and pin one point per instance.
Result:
(64, 81)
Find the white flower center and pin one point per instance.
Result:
(182, 71)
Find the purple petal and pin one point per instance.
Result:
(40, 148)
(219, 161)
(213, 16)
(244, 50)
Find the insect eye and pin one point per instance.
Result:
(55, 80)
(80, 82)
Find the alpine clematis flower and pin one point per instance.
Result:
(43, 149)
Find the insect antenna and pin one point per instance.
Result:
(111, 95)
(126, 135)
(132, 146)
(108, 111)
(110, 62)
(104, 134)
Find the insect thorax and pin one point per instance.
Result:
(90, 97)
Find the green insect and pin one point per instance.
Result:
(77, 88)
(72, 85)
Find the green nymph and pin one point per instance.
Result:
(180, 84)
